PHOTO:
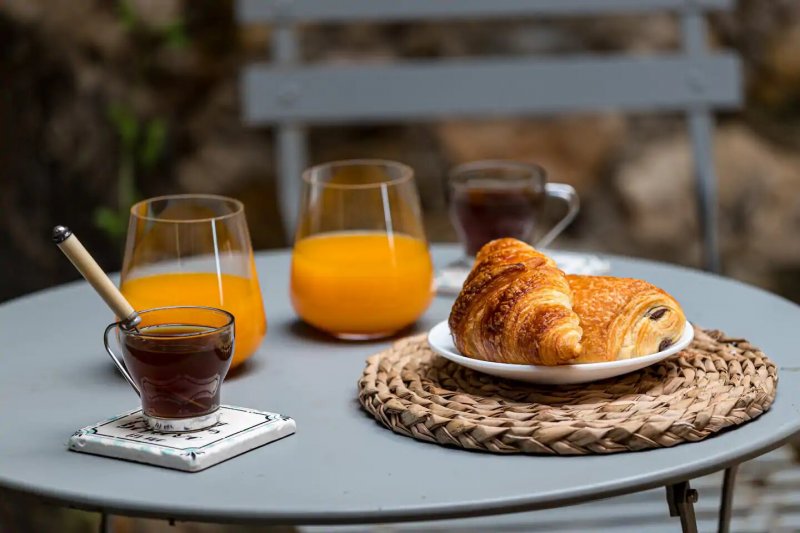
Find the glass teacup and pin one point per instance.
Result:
(176, 360)
(494, 199)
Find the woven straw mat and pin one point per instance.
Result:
(716, 383)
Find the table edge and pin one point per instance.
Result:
(445, 246)
(420, 513)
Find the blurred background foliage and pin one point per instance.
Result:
(105, 102)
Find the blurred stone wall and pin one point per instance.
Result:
(103, 102)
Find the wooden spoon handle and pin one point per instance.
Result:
(89, 269)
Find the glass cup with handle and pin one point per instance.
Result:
(176, 359)
(361, 267)
(494, 199)
(195, 249)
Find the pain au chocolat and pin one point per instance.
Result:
(517, 307)
(623, 317)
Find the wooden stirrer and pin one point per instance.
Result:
(89, 269)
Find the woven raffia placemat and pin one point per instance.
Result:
(716, 383)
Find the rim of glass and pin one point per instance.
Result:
(456, 174)
(406, 173)
(230, 321)
(238, 207)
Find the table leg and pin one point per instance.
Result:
(726, 501)
(681, 498)
(105, 523)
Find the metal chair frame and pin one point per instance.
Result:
(291, 95)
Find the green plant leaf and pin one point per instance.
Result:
(174, 34)
(127, 15)
(126, 185)
(153, 144)
(112, 223)
(126, 124)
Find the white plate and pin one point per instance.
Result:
(441, 342)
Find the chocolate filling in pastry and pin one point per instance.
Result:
(623, 318)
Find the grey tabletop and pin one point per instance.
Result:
(341, 466)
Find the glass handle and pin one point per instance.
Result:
(567, 193)
(121, 367)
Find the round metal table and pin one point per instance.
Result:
(341, 466)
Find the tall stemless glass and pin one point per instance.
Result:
(195, 250)
(361, 267)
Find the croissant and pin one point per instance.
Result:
(515, 307)
(623, 318)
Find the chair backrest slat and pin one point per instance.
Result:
(317, 94)
(274, 11)
(290, 93)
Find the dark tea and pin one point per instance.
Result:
(179, 368)
(483, 214)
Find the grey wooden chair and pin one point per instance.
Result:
(290, 95)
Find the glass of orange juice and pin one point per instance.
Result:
(360, 267)
(195, 250)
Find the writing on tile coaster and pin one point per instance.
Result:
(132, 427)
(139, 430)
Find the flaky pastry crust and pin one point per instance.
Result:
(623, 317)
(516, 307)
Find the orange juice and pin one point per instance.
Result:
(237, 295)
(361, 284)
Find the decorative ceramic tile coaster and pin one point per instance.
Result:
(128, 437)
